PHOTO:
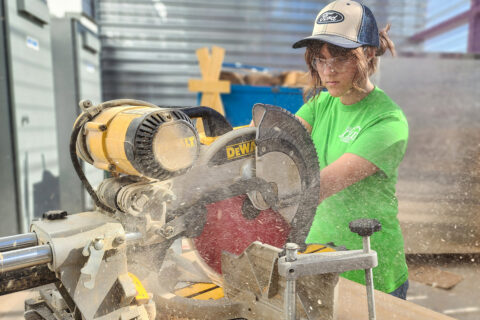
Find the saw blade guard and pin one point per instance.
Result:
(279, 131)
(285, 159)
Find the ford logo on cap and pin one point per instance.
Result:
(330, 16)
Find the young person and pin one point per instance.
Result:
(360, 136)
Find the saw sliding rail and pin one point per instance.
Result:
(18, 241)
(32, 254)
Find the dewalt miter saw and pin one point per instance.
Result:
(238, 195)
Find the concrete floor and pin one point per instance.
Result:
(462, 302)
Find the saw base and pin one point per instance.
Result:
(251, 289)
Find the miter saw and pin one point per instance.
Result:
(235, 197)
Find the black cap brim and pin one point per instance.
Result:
(332, 39)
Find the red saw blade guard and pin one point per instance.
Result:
(226, 229)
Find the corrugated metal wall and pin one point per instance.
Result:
(149, 45)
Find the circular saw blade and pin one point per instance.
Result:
(280, 170)
(227, 229)
(285, 157)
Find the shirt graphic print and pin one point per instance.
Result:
(350, 134)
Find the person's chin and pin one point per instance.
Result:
(334, 88)
(335, 92)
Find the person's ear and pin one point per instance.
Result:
(371, 53)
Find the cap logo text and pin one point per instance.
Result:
(330, 16)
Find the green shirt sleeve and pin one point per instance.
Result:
(307, 112)
(383, 143)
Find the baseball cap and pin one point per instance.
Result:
(344, 23)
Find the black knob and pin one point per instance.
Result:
(55, 215)
(365, 227)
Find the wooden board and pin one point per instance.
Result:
(352, 304)
(432, 276)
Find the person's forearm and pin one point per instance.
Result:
(331, 183)
(342, 173)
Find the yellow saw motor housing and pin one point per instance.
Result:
(140, 140)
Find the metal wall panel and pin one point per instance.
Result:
(32, 106)
(88, 8)
(88, 74)
(149, 45)
(77, 77)
(8, 194)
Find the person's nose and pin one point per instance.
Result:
(328, 69)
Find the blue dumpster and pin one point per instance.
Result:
(239, 102)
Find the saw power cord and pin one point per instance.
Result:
(90, 112)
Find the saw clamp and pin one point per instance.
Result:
(292, 266)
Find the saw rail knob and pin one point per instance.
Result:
(365, 228)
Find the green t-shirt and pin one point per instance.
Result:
(374, 128)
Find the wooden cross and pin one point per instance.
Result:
(210, 86)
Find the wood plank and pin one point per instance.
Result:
(203, 61)
(12, 305)
(218, 105)
(212, 86)
(208, 99)
(216, 61)
(352, 304)
(434, 277)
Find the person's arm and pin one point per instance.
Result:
(305, 124)
(345, 171)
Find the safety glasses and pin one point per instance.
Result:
(336, 64)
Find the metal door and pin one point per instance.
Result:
(26, 38)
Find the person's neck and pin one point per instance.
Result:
(354, 95)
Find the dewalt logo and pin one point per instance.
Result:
(240, 149)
